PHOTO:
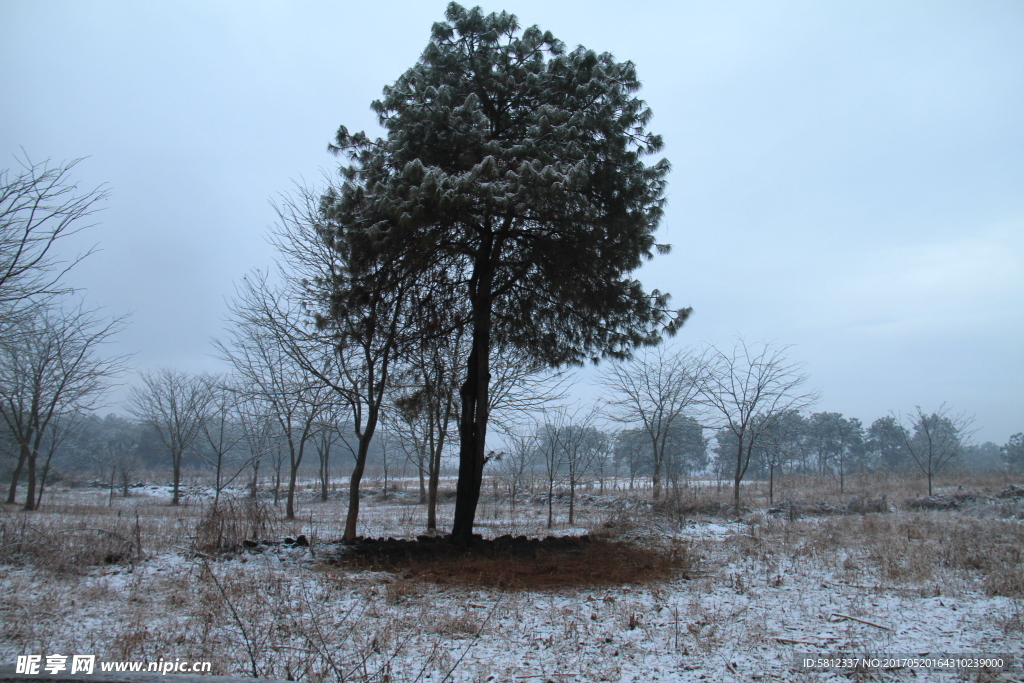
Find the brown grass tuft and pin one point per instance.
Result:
(224, 525)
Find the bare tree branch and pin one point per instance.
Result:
(748, 388)
(39, 205)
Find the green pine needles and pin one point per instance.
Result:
(511, 187)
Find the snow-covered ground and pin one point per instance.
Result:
(764, 594)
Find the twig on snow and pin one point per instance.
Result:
(862, 621)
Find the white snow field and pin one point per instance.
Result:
(754, 598)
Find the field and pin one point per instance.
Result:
(686, 590)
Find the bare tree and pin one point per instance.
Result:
(63, 427)
(935, 440)
(631, 448)
(327, 434)
(603, 465)
(653, 391)
(126, 465)
(258, 430)
(222, 431)
(39, 205)
(781, 442)
(117, 458)
(343, 323)
(515, 467)
(581, 444)
(552, 455)
(295, 397)
(411, 425)
(50, 366)
(568, 442)
(173, 403)
(354, 362)
(748, 388)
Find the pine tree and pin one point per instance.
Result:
(512, 178)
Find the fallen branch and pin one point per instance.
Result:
(793, 642)
(862, 621)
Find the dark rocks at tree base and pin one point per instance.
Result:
(389, 552)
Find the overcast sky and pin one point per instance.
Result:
(848, 177)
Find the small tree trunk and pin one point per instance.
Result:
(325, 473)
(42, 479)
(254, 485)
(176, 467)
(110, 497)
(551, 503)
(289, 508)
(216, 480)
(435, 475)
(22, 457)
(277, 486)
(738, 477)
(353, 490)
(423, 479)
(30, 492)
(656, 476)
(572, 501)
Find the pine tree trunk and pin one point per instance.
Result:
(473, 419)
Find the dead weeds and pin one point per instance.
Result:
(912, 547)
(519, 563)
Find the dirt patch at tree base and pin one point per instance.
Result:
(515, 562)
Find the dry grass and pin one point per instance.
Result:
(61, 543)
(911, 548)
(523, 564)
(280, 616)
(223, 526)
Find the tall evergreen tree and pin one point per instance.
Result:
(512, 177)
